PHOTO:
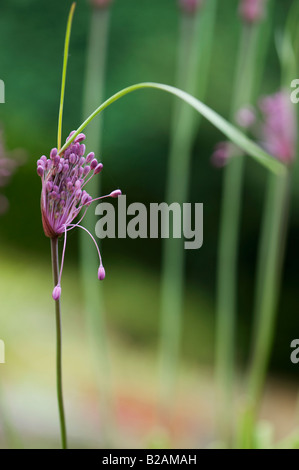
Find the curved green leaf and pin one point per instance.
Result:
(231, 132)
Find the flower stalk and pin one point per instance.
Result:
(55, 269)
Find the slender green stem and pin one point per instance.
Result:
(64, 70)
(92, 290)
(230, 131)
(194, 28)
(271, 253)
(55, 269)
(229, 240)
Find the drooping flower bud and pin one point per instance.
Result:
(115, 193)
(101, 273)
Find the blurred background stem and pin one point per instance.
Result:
(94, 88)
(249, 68)
(271, 253)
(194, 51)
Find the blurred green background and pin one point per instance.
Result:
(142, 47)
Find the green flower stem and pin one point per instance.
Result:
(271, 253)
(231, 132)
(245, 83)
(92, 289)
(195, 36)
(55, 269)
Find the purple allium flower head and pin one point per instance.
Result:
(221, 154)
(279, 129)
(63, 196)
(190, 6)
(252, 11)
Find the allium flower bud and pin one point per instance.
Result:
(40, 170)
(190, 6)
(115, 193)
(89, 157)
(98, 168)
(252, 11)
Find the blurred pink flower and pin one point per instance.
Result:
(190, 6)
(100, 3)
(252, 11)
(221, 154)
(279, 129)
(9, 161)
(246, 117)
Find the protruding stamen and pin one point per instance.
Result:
(115, 193)
(87, 231)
